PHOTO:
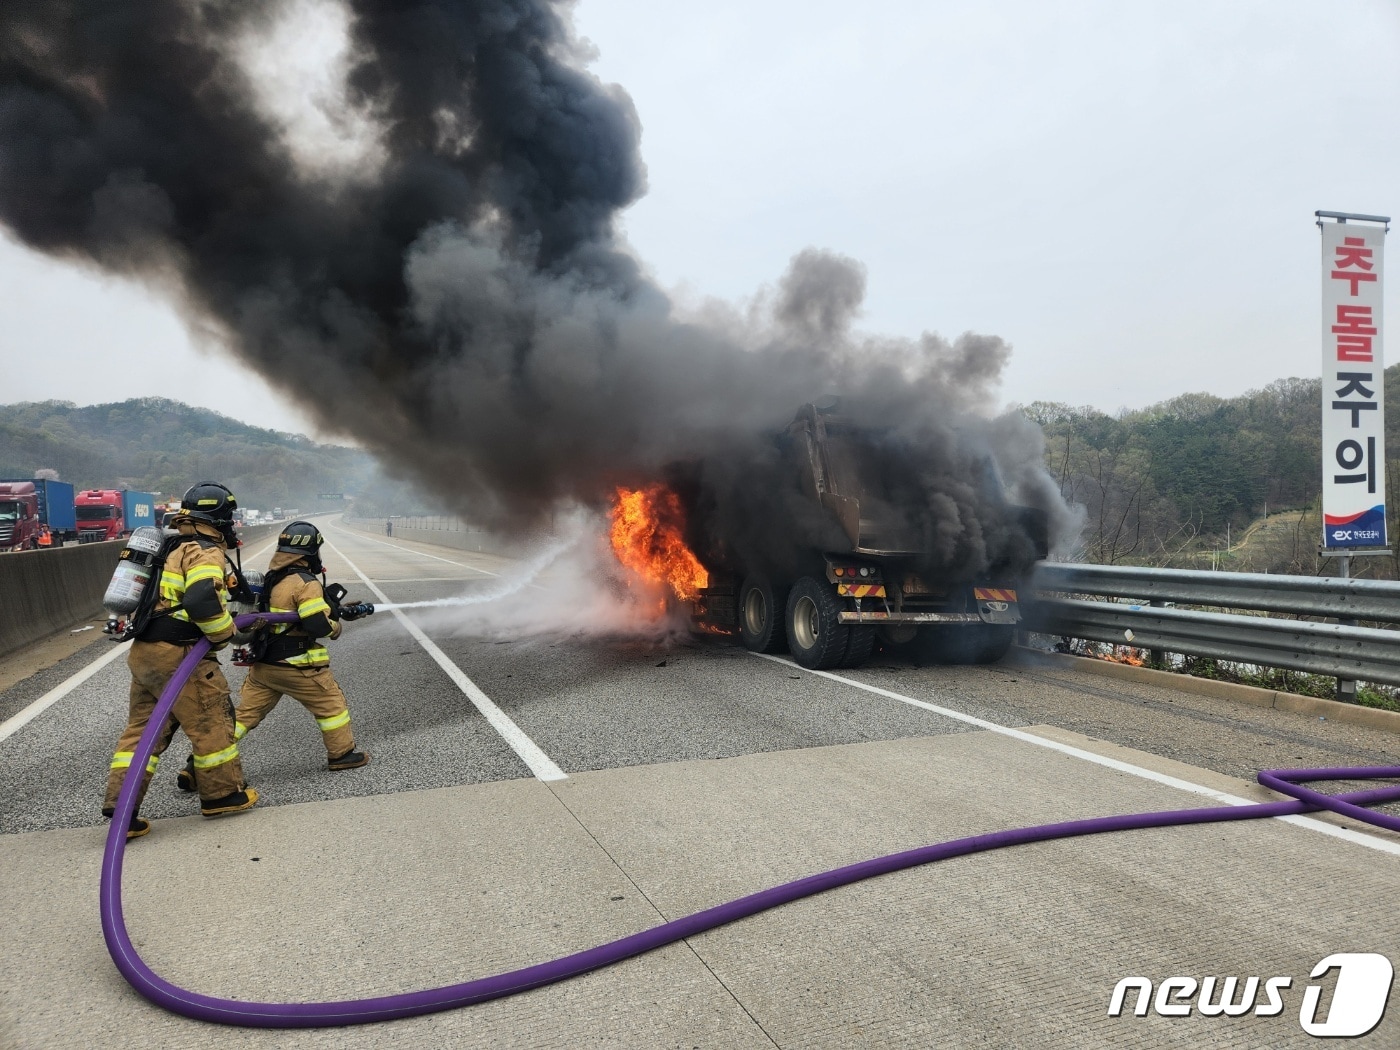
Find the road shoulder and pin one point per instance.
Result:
(378, 895)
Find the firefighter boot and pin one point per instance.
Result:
(352, 759)
(139, 825)
(184, 780)
(236, 802)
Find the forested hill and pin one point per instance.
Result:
(1160, 483)
(163, 446)
(1171, 484)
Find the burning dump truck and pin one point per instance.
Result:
(838, 536)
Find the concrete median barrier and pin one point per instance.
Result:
(46, 592)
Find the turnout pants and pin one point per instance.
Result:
(204, 710)
(315, 688)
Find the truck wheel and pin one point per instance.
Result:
(977, 643)
(859, 645)
(816, 639)
(992, 642)
(761, 615)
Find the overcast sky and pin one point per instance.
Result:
(1123, 191)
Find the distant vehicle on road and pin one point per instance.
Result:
(30, 505)
(110, 514)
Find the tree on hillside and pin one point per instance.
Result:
(163, 446)
(1169, 484)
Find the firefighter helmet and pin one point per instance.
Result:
(299, 537)
(303, 538)
(212, 504)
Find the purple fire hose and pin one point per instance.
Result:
(388, 1007)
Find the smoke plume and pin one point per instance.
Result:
(444, 281)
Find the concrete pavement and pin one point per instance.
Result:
(1022, 947)
(696, 773)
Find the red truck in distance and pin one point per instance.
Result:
(31, 506)
(111, 514)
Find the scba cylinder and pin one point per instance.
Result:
(134, 570)
(254, 580)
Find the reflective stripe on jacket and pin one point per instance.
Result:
(194, 586)
(302, 593)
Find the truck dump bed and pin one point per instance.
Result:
(841, 471)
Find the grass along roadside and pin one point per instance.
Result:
(1278, 679)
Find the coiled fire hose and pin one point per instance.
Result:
(388, 1007)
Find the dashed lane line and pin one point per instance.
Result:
(540, 764)
(1355, 837)
(422, 579)
(421, 554)
(14, 724)
(473, 568)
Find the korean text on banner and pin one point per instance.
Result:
(1353, 386)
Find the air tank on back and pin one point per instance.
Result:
(133, 573)
(254, 580)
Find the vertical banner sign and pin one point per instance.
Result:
(1353, 387)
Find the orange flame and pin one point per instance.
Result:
(1124, 655)
(646, 537)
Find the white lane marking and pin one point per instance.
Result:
(423, 579)
(261, 550)
(539, 763)
(12, 725)
(372, 539)
(1310, 823)
(473, 568)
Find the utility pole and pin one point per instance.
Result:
(1346, 687)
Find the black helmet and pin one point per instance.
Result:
(302, 537)
(212, 504)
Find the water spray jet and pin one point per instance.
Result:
(433, 603)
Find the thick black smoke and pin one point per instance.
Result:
(460, 303)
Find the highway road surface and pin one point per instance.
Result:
(531, 795)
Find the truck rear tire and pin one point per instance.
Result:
(760, 613)
(816, 637)
(993, 642)
(860, 644)
(977, 643)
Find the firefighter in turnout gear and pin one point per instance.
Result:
(194, 584)
(293, 662)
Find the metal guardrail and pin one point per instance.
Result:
(1334, 649)
(1303, 595)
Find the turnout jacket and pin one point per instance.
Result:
(295, 644)
(194, 587)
